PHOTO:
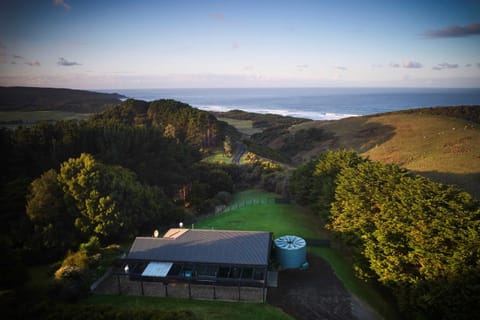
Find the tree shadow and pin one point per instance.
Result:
(355, 133)
(469, 182)
(370, 135)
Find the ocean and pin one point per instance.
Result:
(312, 103)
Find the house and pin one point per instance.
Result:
(195, 259)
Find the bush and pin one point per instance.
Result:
(92, 246)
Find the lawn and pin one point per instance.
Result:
(281, 219)
(203, 309)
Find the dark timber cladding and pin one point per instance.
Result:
(200, 257)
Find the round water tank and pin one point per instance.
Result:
(291, 251)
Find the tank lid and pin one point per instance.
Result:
(290, 242)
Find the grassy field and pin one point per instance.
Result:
(32, 117)
(281, 219)
(442, 148)
(218, 156)
(243, 126)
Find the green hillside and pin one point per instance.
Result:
(442, 145)
(42, 99)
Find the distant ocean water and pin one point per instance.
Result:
(311, 103)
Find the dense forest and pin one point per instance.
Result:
(418, 238)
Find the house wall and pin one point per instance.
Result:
(120, 284)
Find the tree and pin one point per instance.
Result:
(227, 146)
(418, 237)
(52, 219)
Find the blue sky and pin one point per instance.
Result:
(179, 43)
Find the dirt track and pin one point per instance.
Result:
(316, 293)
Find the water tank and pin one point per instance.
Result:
(291, 251)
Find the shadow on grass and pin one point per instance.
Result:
(355, 133)
(469, 182)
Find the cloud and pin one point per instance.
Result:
(248, 68)
(342, 68)
(62, 3)
(64, 62)
(217, 16)
(411, 64)
(394, 65)
(445, 65)
(455, 31)
(33, 63)
(235, 45)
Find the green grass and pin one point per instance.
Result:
(218, 156)
(243, 126)
(32, 117)
(280, 219)
(442, 148)
(202, 309)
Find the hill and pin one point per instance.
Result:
(440, 143)
(53, 99)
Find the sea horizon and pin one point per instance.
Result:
(316, 103)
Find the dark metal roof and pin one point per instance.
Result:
(206, 246)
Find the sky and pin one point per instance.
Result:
(105, 44)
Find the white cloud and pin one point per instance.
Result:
(62, 3)
(33, 63)
(445, 65)
(64, 62)
(411, 64)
